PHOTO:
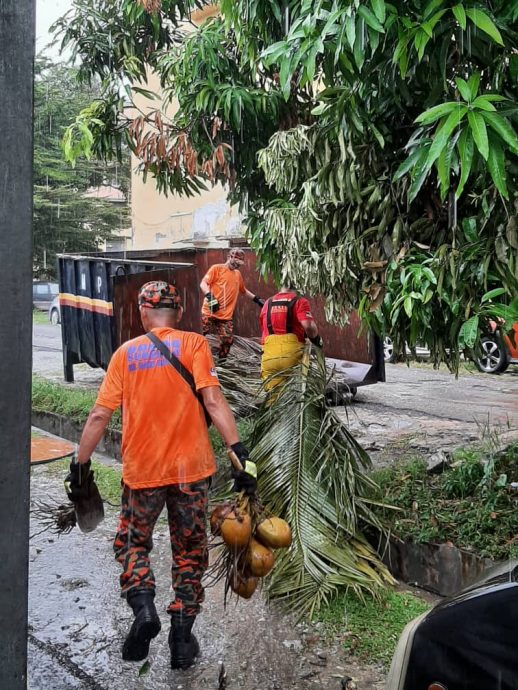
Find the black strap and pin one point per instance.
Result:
(184, 373)
(289, 316)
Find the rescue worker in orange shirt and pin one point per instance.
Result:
(167, 460)
(221, 286)
(286, 320)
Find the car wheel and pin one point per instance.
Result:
(493, 358)
(388, 349)
(54, 317)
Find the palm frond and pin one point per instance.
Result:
(239, 376)
(312, 473)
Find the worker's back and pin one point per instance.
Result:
(165, 438)
(283, 313)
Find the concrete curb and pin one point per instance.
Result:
(442, 569)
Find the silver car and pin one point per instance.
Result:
(43, 293)
(55, 311)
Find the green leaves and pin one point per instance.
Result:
(379, 9)
(465, 90)
(433, 114)
(370, 19)
(460, 15)
(504, 130)
(443, 167)
(144, 668)
(468, 334)
(466, 148)
(416, 287)
(312, 473)
(481, 113)
(482, 21)
(488, 296)
(496, 165)
(343, 35)
(479, 133)
(444, 132)
(488, 311)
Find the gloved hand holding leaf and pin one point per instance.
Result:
(245, 479)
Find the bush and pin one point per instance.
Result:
(471, 505)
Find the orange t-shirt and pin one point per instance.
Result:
(165, 439)
(225, 285)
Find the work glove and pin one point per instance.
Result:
(258, 300)
(212, 302)
(317, 341)
(79, 480)
(245, 479)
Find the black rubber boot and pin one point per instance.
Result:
(182, 643)
(144, 628)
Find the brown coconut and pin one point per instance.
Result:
(236, 529)
(259, 559)
(274, 532)
(242, 585)
(217, 516)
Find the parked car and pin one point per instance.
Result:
(43, 293)
(498, 351)
(495, 354)
(388, 350)
(55, 311)
(466, 642)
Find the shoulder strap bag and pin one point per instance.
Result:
(184, 373)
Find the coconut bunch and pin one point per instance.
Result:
(313, 474)
(246, 536)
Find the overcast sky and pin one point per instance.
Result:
(47, 11)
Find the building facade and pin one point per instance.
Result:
(176, 222)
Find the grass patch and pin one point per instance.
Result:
(40, 316)
(72, 403)
(108, 480)
(371, 627)
(471, 504)
(466, 367)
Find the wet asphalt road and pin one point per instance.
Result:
(419, 411)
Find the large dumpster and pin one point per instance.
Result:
(94, 301)
(99, 307)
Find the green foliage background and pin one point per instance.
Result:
(371, 146)
(64, 219)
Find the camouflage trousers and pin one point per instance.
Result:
(223, 329)
(186, 513)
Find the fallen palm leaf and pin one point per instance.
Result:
(239, 376)
(312, 473)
